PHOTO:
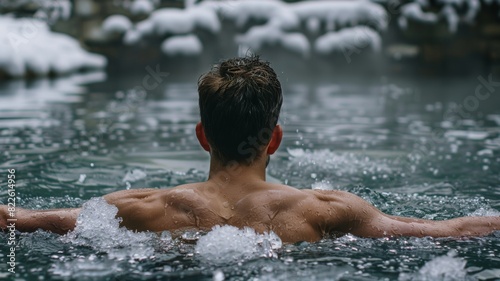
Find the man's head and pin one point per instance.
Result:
(240, 101)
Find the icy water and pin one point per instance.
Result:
(402, 144)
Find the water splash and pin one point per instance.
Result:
(225, 244)
(446, 268)
(97, 227)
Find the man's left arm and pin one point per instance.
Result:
(59, 221)
(363, 219)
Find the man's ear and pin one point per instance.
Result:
(200, 134)
(275, 142)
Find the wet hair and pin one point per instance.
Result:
(240, 101)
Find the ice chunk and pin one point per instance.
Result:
(97, 227)
(116, 24)
(226, 244)
(186, 45)
(347, 39)
(446, 268)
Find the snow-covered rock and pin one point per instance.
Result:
(279, 24)
(241, 12)
(348, 39)
(172, 21)
(28, 46)
(337, 14)
(141, 7)
(116, 24)
(414, 11)
(259, 36)
(184, 45)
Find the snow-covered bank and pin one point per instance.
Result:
(29, 47)
(258, 23)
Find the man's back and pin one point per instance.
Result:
(293, 214)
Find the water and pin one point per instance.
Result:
(398, 143)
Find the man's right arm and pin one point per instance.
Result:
(358, 217)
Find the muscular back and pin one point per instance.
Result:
(292, 214)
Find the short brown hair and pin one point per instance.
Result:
(240, 101)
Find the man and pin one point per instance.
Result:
(240, 101)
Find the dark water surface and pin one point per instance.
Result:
(428, 148)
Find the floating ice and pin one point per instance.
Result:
(98, 227)
(186, 45)
(226, 244)
(30, 47)
(445, 268)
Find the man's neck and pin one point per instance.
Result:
(237, 172)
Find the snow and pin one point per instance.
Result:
(50, 10)
(141, 7)
(280, 20)
(242, 12)
(259, 36)
(342, 13)
(184, 45)
(173, 21)
(346, 39)
(451, 17)
(116, 24)
(413, 11)
(28, 45)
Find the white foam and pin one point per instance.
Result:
(485, 212)
(339, 164)
(97, 227)
(445, 268)
(134, 175)
(226, 244)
